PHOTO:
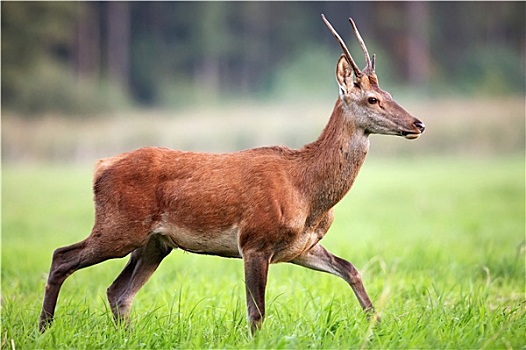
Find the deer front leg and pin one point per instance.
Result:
(318, 258)
(256, 271)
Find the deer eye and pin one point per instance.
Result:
(372, 100)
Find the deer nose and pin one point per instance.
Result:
(420, 126)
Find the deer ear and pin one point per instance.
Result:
(343, 75)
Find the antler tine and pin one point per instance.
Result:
(355, 67)
(370, 65)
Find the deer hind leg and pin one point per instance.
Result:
(318, 258)
(142, 264)
(67, 260)
(121, 282)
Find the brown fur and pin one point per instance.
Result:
(264, 205)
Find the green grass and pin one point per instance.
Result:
(440, 243)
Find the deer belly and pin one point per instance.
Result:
(222, 242)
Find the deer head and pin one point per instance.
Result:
(372, 109)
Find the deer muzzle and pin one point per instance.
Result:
(419, 128)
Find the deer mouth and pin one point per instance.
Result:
(419, 128)
(411, 135)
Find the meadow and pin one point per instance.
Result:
(439, 240)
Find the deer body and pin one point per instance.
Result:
(264, 205)
(218, 203)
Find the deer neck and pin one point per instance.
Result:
(331, 163)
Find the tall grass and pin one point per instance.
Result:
(440, 243)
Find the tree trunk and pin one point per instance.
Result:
(118, 17)
(87, 49)
(418, 57)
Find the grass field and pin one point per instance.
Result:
(440, 243)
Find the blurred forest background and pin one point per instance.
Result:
(87, 79)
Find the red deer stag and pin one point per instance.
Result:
(264, 205)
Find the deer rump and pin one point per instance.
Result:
(201, 203)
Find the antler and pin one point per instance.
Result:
(357, 72)
(370, 64)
